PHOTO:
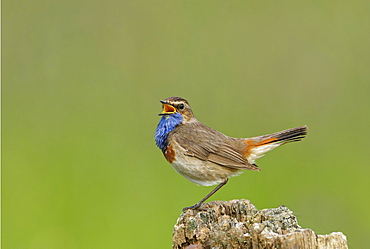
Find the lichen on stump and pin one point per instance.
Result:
(238, 224)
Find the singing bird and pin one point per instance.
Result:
(208, 157)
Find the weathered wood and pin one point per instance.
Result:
(238, 224)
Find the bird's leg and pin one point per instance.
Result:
(197, 206)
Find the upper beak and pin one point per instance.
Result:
(167, 108)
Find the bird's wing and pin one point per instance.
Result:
(208, 144)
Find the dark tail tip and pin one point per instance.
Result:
(292, 135)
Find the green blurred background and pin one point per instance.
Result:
(81, 84)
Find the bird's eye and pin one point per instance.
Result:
(181, 106)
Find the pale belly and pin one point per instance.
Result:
(202, 172)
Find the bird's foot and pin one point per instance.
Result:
(196, 206)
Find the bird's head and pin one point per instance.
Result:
(176, 106)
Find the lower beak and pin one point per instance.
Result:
(167, 109)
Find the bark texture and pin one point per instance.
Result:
(238, 224)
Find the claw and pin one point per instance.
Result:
(196, 206)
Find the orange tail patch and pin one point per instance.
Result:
(255, 147)
(266, 141)
(251, 144)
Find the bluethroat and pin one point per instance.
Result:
(208, 157)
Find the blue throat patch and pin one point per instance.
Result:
(167, 124)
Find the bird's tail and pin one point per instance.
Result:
(257, 146)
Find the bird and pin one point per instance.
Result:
(206, 156)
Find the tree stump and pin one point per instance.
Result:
(238, 224)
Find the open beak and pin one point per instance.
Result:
(167, 109)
